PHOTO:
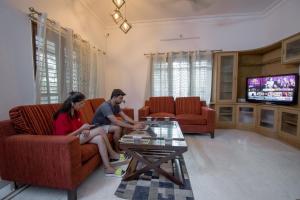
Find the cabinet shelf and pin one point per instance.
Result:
(226, 92)
(226, 82)
(267, 122)
(225, 114)
(290, 123)
(226, 72)
(246, 112)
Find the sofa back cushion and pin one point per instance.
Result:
(95, 103)
(33, 119)
(37, 119)
(162, 104)
(87, 112)
(188, 105)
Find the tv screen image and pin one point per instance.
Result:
(281, 89)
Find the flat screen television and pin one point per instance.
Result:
(277, 89)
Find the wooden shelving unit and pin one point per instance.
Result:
(229, 74)
(226, 77)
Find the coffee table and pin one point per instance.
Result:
(162, 142)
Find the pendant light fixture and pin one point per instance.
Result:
(118, 3)
(117, 16)
(125, 26)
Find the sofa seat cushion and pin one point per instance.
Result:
(88, 151)
(162, 114)
(191, 119)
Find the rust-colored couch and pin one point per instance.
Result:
(29, 154)
(191, 113)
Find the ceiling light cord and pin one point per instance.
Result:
(125, 11)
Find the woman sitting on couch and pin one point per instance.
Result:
(67, 122)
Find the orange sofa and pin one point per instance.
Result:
(29, 154)
(192, 114)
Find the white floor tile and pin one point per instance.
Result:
(235, 165)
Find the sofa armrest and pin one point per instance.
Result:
(209, 114)
(129, 112)
(53, 161)
(143, 112)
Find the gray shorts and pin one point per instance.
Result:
(105, 128)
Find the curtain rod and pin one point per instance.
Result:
(33, 18)
(160, 53)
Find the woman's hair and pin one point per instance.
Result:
(66, 107)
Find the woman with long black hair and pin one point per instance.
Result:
(67, 122)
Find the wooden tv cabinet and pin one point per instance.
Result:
(231, 68)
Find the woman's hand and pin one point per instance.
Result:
(86, 126)
(86, 133)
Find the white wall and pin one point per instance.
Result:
(16, 65)
(127, 67)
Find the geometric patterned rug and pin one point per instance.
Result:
(153, 187)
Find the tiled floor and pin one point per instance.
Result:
(235, 165)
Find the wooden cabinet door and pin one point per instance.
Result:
(267, 121)
(226, 77)
(225, 116)
(246, 116)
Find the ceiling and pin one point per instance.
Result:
(159, 10)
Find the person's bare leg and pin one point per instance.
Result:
(117, 135)
(99, 131)
(99, 140)
(112, 153)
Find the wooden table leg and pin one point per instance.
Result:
(132, 173)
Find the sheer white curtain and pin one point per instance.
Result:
(65, 62)
(201, 75)
(160, 72)
(81, 65)
(49, 59)
(40, 41)
(181, 74)
(96, 86)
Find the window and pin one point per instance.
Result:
(63, 62)
(58, 66)
(160, 78)
(180, 79)
(48, 71)
(181, 74)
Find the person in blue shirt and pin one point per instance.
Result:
(105, 117)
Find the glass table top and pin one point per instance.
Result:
(166, 130)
